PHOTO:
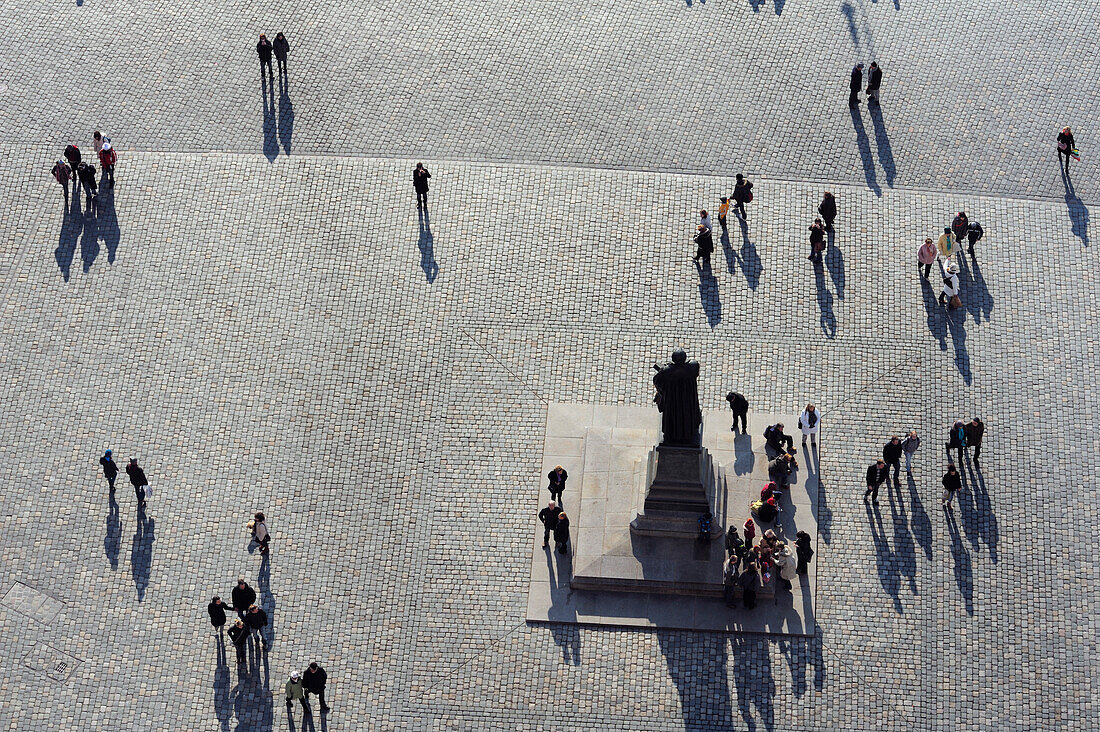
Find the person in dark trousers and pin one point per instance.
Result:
(742, 194)
(956, 440)
(960, 225)
(238, 634)
(62, 174)
(926, 255)
(217, 609)
(110, 470)
(803, 551)
(137, 480)
(974, 232)
(72, 154)
(256, 619)
(876, 476)
(780, 470)
(974, 432)
(107, 159)
(1066, 146)
(557, 477)
(723, 211)
(734, 545)
(891, 453)
(243, 597)
(739, 405)
(313, 681)
(952, 483)
(281, 48)
(874, 82)
(260, 533)
(420, 185)
(827, 209)
(549, 518)
(704, 245)
(750, 582)
(295, 690)
(855, 84)
(263, 50)
(86, 174)
(778, 440)
(561, 533)
(817, 241)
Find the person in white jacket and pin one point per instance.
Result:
(785, 560)
(809, 422)
(950, 284)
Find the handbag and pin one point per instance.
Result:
(956, 302)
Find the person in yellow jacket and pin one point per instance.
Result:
(947, 244)
(723, 209)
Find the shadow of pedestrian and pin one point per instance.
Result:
(956, 326)
(223, 706)
(882, 142)
(888, 575)
(141, 552)
(864, 146)
(964, 573)
(982, 521)
(112, 542)
(89, 240)
(745, 459)
(825, 303)
(708, 293)
(697, 665)
(108, 223)
(752, 677)
(71, 226)
(933, 313)
(919, 522)
(566, 634)
(779, 6)
(800, 653)
(751, 265)
(286, 118)
(728, 253)
(824, 513)
(834, 262)
(265, 599)
(756, 5)
(253, 705)
(267, 90)
(905, 553)
(1078, 212)
(426, 244)
(978, 301)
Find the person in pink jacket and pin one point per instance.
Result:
(925, 256)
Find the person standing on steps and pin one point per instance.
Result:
(909, 447)
(974, 233)
(281, 48)
(420, 185)
(739, 405)
(243, 597)
(925, 256)
(1066, 146)
(549, 518)
(809, 422)
(827, 209)
(855, 84)
(891, 454)
(137, 480)
(313, 681)
(974, 432)
(263, 50)
(742, 194)
(110, 470)
(874, 82)
(557, 477)
(876, 476)
(952, 483)
(216, 609)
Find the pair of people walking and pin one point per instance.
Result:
(300, 685)
(133, 471)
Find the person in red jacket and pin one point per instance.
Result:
(107, 159)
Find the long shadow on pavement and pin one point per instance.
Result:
(750, 259)
(708, 294)
(888, 575)
(864, 146)
(834, 262)
(141, 552)
(112, 542)
(1078, 212)
(882, 141)
(964, 572)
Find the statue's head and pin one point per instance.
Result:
(679, 356)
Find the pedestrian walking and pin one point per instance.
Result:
(243, 597)
(950, 294)
(874, 82)
(974, 233)
(260, 535)
(804, 551)
(750, 532)
(313, 681)
(110, 470)
(909, 447)
(742, 194)
(281, 48)
(734, 545)
(137, 480)
(72, 155)
(549, 518)
(926, 254)
(263, 50)
(739, 405)
(704, 219)
(97, 141)
(876, 476)
(956, 440)
(107, 159)
(561, 533)
(723, 211)
(420, 185)
(61, 173)
(855, 84)
(827, 209)
(1066, 146)
(959, 226)
(750, 583)
(557, 477)
(296, 692)
(946, 243)
(217, 609)
(238, 634)
(704, 245)
(891, 454)
(86, 173)
(809, 422)
(817, 241)
(974, 432)
(256, 619)
(952, 483)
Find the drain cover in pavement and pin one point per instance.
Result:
(51, 662)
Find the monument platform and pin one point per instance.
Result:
(614, 575)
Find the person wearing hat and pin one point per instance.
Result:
(876, 476)
(238, 634)
(110, 470)
(314, 680)
(294, 690)
(107, 159)
(950, 294)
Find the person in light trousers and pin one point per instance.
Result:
(908, 447)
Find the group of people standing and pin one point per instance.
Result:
(553, 517)
(960, 437)
(71, 167)
(943, 253)
(704, 236)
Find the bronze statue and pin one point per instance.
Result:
(677, 399)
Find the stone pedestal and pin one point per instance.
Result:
(681, 487)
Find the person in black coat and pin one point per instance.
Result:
(263, 50)
(1066, 146)
(952, 483)
(974, 232)
(750, 583)
(256, 619)
(238, 633)
(876, 476)
(549, 518)
(313, 681)
(742, 194)
(137, 480)
(803, 551)
(561, 533)
(281, 48)
(777, 440)
(243, 597)
(827, 209)
(217, 609)
(86, 174)
(974, 432)
(420, 184)
(855, 85)
(891, 453)
(874, 82)
(780, 470)
(110, 470)
(739, 405)
(557, 478)
(704, 245)
(72, 154)
(817, 241)
(956, 440)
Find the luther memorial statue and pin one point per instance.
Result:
(677, 398)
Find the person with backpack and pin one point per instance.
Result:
(817, 241)
(739, 405)
(925, 256)
(827, 209)
(704, 245)
(62, 174)
(86, 174)
(956, 440)
(809, 422)
(959, 226)
(734, 545)
(974, 233)
(107, 159)
(974, 432)
(72, 155)
(742, 194)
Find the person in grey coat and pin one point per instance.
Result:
(909, 446)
